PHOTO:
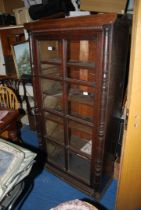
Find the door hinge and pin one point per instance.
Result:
(126, 118)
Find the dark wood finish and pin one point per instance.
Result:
(79, 67)
(97, 21)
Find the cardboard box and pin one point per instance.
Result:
(112, 6)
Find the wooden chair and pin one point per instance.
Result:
(8, 99)
(9, 107)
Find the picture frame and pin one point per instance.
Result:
(21, 56)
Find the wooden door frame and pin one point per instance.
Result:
(129, 186)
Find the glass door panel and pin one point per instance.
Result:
(54, 127)
(82, 52)
(82, 74)
(51, 70)
(79, 167)
(80, 137)
(55, 154)
(50, 51)
(81, 101)
(52, 94)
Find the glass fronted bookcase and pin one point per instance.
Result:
(78, 69)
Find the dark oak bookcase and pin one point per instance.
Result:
(78, 69)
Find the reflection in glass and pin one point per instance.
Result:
(52, 95)
(55, 130)
(80, 137)
(51, 70)
(79, 167)
(56, 154)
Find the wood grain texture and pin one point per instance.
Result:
(129, 188)
(62, 23)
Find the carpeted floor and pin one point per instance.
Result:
(49, 190)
